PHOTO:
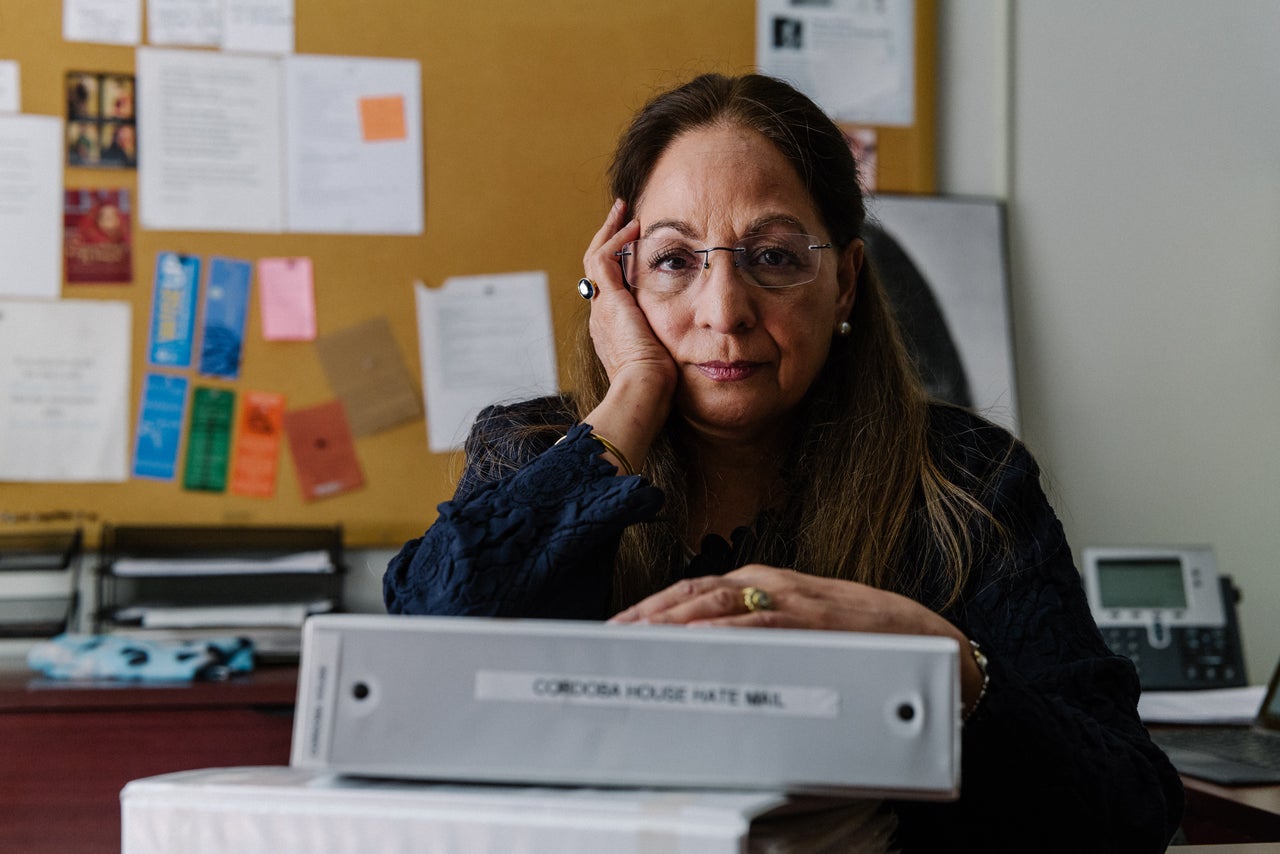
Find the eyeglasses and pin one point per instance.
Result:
(669, 265)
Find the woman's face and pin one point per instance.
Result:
(746, 356)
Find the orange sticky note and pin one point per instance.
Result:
(382, 118)
(257, 452)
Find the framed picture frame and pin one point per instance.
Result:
(943, 261)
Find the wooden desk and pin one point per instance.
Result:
(1236, 814)
(68, 749)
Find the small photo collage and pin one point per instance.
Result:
(101, 122)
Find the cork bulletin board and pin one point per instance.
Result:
(521, 106)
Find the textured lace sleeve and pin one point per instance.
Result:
(1055, 758)
(537, 541)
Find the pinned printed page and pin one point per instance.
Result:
(258, 26)
(31, 206)
(190, 181)
(855, 59)
(354, 159)
(191, 23)
(102, 21)
(483, 340)
(64, 390)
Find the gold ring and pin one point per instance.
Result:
(756, 599)
(587, 289)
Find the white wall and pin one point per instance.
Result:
(1143, 183)
(973, 97)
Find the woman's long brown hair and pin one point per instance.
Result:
(859, 468)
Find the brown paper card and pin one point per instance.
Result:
(323, 451)
(366, 372)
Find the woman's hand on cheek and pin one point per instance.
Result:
(620, 332)
(798, 601)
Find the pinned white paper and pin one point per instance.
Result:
(102, 21)
(64, 388)
(208, 124)
(184, 22)
(354, 145)
(258, 26)
(10, 89)
(30, 206)
(483, 340)
(855, 59)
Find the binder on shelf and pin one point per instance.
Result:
(189, 582)
(39, 580)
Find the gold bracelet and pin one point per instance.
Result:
(613, 449)
(980, 659)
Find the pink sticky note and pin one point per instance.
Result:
(287, 298)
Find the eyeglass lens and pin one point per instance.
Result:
(671, 265)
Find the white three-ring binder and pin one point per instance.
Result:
(557, 702)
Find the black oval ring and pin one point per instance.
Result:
(587, 289)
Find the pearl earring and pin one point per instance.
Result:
(845, 329)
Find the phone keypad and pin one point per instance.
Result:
(1195, 655)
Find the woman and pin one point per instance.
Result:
(741, 358)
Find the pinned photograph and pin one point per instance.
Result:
(101, 120)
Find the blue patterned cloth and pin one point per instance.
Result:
(1054, 759)
(71, 656)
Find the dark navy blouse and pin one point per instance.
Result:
(1054, 759)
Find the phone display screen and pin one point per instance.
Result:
(1149, 583)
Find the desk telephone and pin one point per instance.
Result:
(1168, 610)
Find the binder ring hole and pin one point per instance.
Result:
(906, 711)
(360, 690)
